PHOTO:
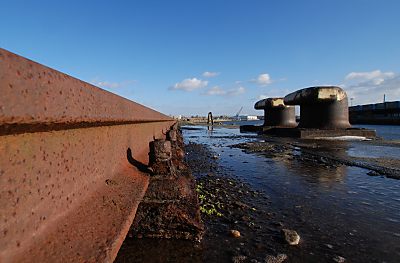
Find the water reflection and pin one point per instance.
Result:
(317, 174)
(327, 203)
(373, 151)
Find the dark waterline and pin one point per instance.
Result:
(387, 132)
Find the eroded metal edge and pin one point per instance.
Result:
(68, 194)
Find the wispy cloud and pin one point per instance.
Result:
(210, 74)
(112, 85)
(376, 76)
(262, 96)
(273, 93)
(236, 91)
(263, 79)
(369, 87)
(217, 91)
(189, 84)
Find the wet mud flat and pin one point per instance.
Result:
(239, 227)
(325, 153)
(340, 197)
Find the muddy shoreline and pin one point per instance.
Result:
(227, 168)
(228, 204)
(340, 196)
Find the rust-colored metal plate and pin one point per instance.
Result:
(67, 190)
(37, 95)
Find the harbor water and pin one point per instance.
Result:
(340, 211)
(341, 208)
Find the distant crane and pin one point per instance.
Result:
(237, 114)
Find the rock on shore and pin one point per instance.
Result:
(291, 236)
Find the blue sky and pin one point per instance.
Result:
(191, 57)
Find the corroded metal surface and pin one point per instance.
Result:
(68, 192)
(269, 103)
(170, 207)
(35, 97)
(321, 107)
(315, 94)
(276, 113)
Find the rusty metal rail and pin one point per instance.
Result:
(67, 190)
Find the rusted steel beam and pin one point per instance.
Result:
(276, 113)
(324, 107)
(68, 192)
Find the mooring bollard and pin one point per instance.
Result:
(276, 113)
(324, 107)
(210, 119)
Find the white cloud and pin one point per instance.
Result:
(112, 85)
(262, 79)
(274, 93)
(369, 87)
(106, 84)
(236, 91)
(377, 76)
(190, 84)
(217, 91)
(210, 74)
(261, 97)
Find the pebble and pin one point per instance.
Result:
(239, 259)
(373, 173)
(235, 233)
(339, 259)
(278, 259)
(291, 237)
(240, 204)
(329, 246)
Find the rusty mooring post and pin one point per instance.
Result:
(276, 113)
(324, 107)
(210, 119)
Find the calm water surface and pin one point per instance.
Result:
(356, 215)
